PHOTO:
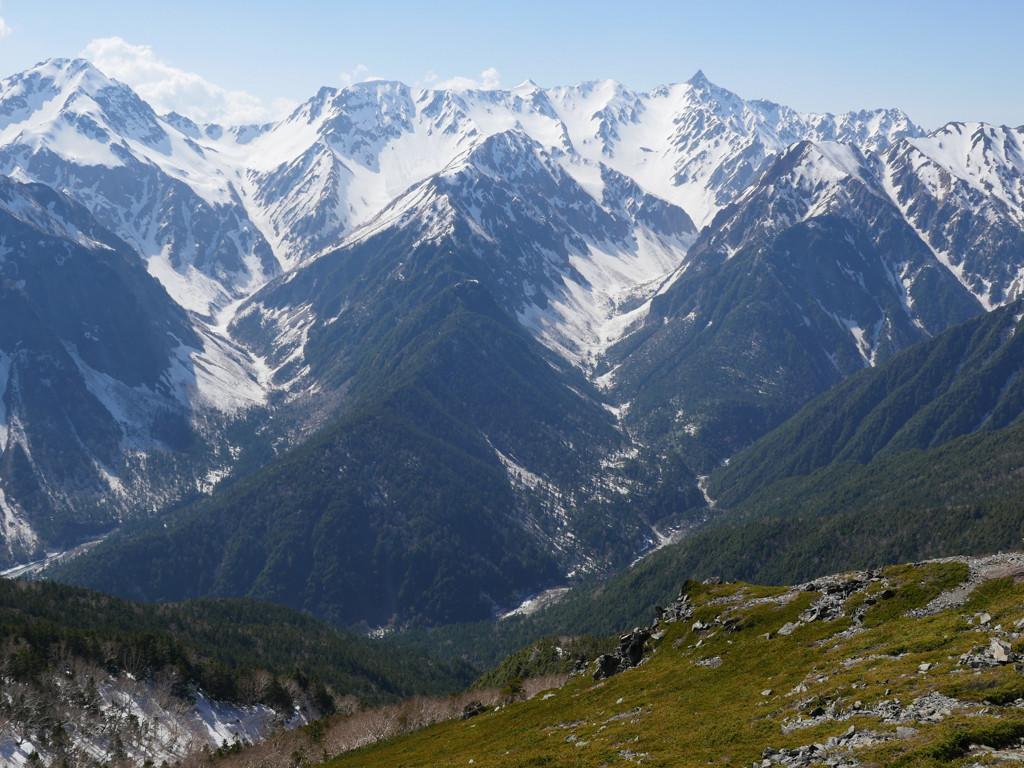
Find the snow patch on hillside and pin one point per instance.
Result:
(532, 605)
(589, 315)
(168, 727)
(18, 535)
(944, 257)
(980, 155)
(5, 375)
(520, 474)
(226, 377)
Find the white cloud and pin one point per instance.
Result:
(5, 29)
(490, 79)
(169, 89)
(358, 75)
(283, 107)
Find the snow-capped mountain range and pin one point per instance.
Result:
(614, 226)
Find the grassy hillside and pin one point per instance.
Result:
(909, 666)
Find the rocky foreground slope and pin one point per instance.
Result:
(908, 665)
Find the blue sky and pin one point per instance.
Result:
(938, 60)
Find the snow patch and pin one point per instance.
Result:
(5, 375)
(702, 486)
(660, 540)
(17, 533)
(226, 377)
(56, 556)
(942, 256)
(520, 474)
(587, 316)
(190, 288)
(228, 722)
(170, 727)
(536, 603)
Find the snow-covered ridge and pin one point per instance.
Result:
(990, 159)
(339, 159)
(574, 206)
(218, 211)
(962, 190)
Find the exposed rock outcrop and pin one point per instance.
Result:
(630, 652)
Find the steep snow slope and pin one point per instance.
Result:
(103, 378)
(66, 125)
(962, 189)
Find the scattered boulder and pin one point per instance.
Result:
(607, 665)
(835, 751)
(473, 709)
(930, 708)
(629, 654)
(836, 590)
(678, 609)
(582, 662)
(631, 645)
(995, 654)
(1000, 651)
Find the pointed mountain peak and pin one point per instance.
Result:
(819, 167)
(182, 124)
(58, 75)
(80, 74)
(699, 80)
(70, 66)
(83, 99)
(707, 92)
(508, 150)
(525, 87)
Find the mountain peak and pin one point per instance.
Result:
(525, 87)
(75, 74)
(699, 80)
(73, 84)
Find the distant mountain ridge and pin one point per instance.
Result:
(697, 265)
